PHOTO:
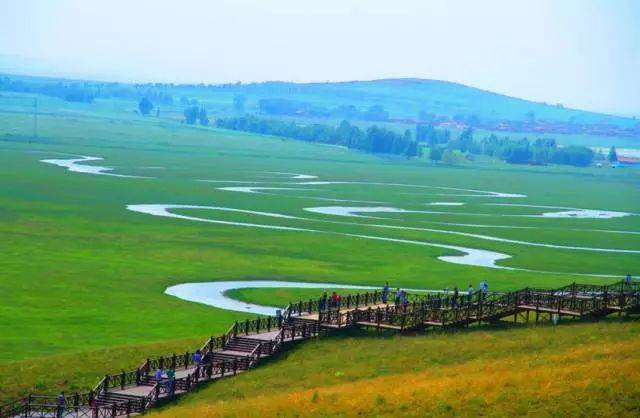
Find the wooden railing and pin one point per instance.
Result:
(443, 309)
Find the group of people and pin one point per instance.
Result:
(401, 297)
(169, 376)
(329, 302)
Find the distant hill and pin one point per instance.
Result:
(405, 98)
(401, 99)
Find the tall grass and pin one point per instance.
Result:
(572, 370)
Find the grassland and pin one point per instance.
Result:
(82, 277)
(570, 370)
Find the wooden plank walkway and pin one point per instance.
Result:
(247, 343)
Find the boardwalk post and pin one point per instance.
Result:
(269, 323)
(622, 299)
(246, 327)
(223, 368)
(186, 360)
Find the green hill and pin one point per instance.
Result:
(402, 98)
(571, 370)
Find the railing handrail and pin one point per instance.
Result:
(618, 295)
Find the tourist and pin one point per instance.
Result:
(470, 293)
(335, 300)
(61, 402)
(159, 373)
(322, 303)
(405, 298)
(398, 298)
(171, 382)
(197, 358)
(454, 300)
(628, 280)
(385, 293)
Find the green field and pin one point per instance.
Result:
(83, 276)
(571, 370)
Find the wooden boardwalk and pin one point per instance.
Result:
(247, 343)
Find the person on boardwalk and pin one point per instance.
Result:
(335, 300)
(171, 382)
(405, 298)
(385, 293)
(159, 373)
(322, 303)
(454, 299)
(470, 293)
(197, 358)
(398, 298)
(627, 281)
(61, 405)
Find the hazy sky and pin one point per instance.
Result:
(583, 54)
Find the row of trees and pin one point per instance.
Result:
(287, 107)
(515, 151)
(374, 139)
(86, 92)
(194, 114)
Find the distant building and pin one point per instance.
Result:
(628, 161)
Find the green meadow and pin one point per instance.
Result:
(576, 369)
(83, 278)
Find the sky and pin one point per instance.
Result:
(581, 53)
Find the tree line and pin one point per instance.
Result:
(287, 107)
(86, 92)
(374, 139)
(516, 151)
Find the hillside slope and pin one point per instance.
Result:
(587, 369)
(406, 97)
(402, 98)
